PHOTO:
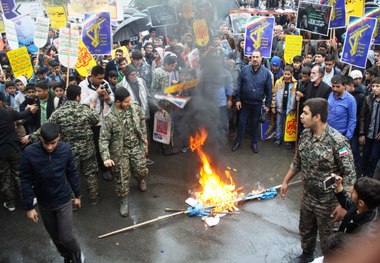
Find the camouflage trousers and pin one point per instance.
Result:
(89, 169)
(133, 161)
(10, 178)
(315, 216)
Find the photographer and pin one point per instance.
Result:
(361, 204)
(96, 89)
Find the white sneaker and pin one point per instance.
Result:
(35, 202)
(10, 209)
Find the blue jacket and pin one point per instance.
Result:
(253, 87)
(53, 175)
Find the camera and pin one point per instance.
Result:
(105, 86)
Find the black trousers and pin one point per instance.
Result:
(96, 132)
(58, 223)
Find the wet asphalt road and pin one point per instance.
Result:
(264, 231)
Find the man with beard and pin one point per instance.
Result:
(316, 87)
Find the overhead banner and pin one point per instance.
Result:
(162, 15)
(25, 32)
(293, 47)
(374, 13)
(20, 62)
(85, 60)
(358, 40)
(96, 33)
(10, 29)
(78, 7)
(314, 18)
(338, 12)
(258, 35)
(57, 15)
(354, 8)
(41, 31)
(68, 47)
(201, 32)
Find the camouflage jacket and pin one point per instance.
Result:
(317, 157)
(121, 132)
(75, 121)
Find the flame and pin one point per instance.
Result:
(217, 191)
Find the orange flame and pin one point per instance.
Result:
(216, 191)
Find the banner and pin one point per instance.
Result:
(314, 18)
(268, 127)
(358, 39)
(25, 32)
(354, 8)
(2, 26)
(338, 13)
(161, 15)
(78, 7)
(258, 35)
(41, 31)
(201, 32)
(85, 60)
(20, 62)
(290, 134)
(8, 7)
(238, 22)
(68, 47)
(11, 33)
(293, 47)
(57, 15)
(187, 9)
(374, 13)
(96, 33)
(34, 9)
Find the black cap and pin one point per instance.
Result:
(50, 131)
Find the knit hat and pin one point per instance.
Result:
(356, 74)
(129, 69)
(276, 61)
(50, 131)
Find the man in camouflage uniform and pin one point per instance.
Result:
(322, 151)
(122, 144)
(75, 121)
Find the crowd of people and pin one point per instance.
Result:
(102, 123)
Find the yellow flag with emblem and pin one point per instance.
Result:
(201, 32)
(291, 127)
(85, 60)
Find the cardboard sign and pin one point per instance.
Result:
(8, 7)
(354, 8)
(11, 33)
(338, 12)
(162, 127)
(193, 58)
(259, 35)
(358, 40)
(68, 46)
(290, 134)
(24, 26)
(293, 47)
(314, 18)
(161, 15)
(374, 13)
(96, 33)
(85, 60)
(57, 15)
(20, 62)
(268, 127)
(41, 31)
(238, 22)
(201, 32)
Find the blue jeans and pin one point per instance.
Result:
(249, 112)
(280, 119)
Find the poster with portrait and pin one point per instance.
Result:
(314, 18)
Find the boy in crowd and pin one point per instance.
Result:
(297, 66)
(369, 74)
(46, 101)
(357, 76)
(330, 69)
(10, 93)
(20, 83)
(31, 123)
(283, 102)
(59, 92)
(56, 74)
(276, 68)
(370, 129)
(113, 80)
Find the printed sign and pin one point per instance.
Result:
(238, 22)
(293, 47)
(41, 31)
(11, 33)
(24, 26)
(268, 127)
(57, 15)
(354, 8)
(34, 9)
(290, 134)
(85, 60)
(258, 35)
(68, 46)
(8, 7)
(314, 18)
(193, 58)
(338, 12)
(161, 15)
(374, 13)
(162, 127)
(96, 33)
(20, 62)
(358, 39)
(201, 32)
(78, 7)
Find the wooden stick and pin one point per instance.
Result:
(143, 224)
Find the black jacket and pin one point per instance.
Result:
(359, 96)
(321, 91)
(9, 141)
(51, 176)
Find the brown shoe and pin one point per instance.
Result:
(142, 185)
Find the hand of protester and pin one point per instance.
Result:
(109, 163)
(77, 202)
(229, 103)
(33, 108)
(238, 105)
(25, 139)
(266, 109)
(273, 110)
(32, 214)
(299, 95)
(338, 213)
(338, 183)
(283, 190)
(362, 140)
(106, 96)
(101, 90)
(92, 104)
